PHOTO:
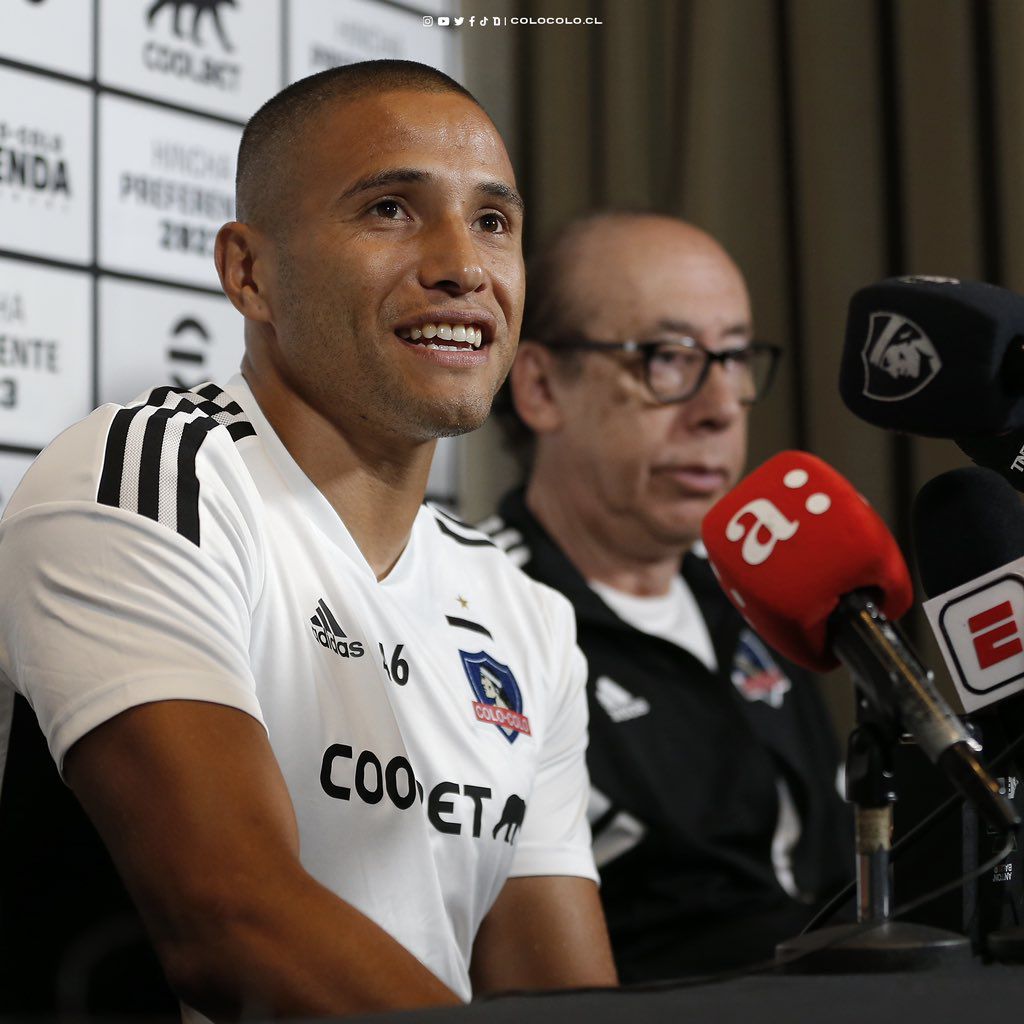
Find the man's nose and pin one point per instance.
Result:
(719, 402)
(450, 260)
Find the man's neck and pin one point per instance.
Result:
(375, 486)
(597, 552)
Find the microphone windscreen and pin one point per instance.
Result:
(789, 541)
(935, 356)
(1003, 453)
(965, 523)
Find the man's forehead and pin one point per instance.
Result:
(381, 127)
(655, 270)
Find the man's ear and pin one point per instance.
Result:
(535, 392)
(243, 269)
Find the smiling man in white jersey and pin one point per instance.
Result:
(266, 670)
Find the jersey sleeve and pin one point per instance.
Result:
(555, 838)
(146, 596)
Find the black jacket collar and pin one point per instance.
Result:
(549, 565)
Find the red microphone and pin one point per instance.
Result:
(814, 570)
(789, 541)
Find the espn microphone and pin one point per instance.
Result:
(968, 529)
(815, 571)
(976, 610)
(935, 356)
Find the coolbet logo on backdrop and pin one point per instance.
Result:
(183, 62)
(498, 700)
(198, 8)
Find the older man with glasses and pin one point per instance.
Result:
(716, 822)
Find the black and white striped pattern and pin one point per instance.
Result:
(614, 831)
(149, 465)
(507, 539)
(470, 541)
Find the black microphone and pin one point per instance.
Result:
(1003, 453)
(935, 356)
(968, 530)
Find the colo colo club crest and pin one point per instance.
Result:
(498, 700)
(755, 673)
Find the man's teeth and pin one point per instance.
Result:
(467, 334)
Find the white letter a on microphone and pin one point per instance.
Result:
(769, 521)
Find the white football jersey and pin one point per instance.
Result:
(430, 726)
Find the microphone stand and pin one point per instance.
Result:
(992, 904)
(889, 945)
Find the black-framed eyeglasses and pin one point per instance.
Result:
(676, 370)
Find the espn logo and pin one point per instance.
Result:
(995, 633)
(980, 628)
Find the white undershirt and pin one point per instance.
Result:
(674, 616)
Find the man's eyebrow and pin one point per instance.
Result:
(415, 176)
(499, 190)
(394, 176)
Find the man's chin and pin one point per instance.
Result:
(681, 529)
(452, 421)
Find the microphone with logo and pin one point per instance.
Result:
(976, 611)
(815, 571)
(936, 356)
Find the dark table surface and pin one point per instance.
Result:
(964, 994)
(967, 993)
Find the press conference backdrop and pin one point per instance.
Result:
(119, 124)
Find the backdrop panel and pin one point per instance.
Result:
(45, 355)
(166, 184)
(219, 58)
(56, 35)
(45, 167)
(152, 333)
(12, 469)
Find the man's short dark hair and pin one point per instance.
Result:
(274, 131)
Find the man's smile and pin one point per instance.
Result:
(449, 330)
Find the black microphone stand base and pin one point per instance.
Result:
(872, 949)
(1006, 946)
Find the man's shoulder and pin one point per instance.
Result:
(147, 457)
(513, 529)
(508, 535)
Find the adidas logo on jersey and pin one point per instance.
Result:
(328, 633)
(620, 704)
